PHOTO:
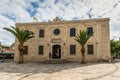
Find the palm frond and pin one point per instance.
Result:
(11, 31)
(83, 37)
(21, 35)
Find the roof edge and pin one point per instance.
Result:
(62, 21)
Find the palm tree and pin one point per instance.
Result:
(82, 38)
(22, 36)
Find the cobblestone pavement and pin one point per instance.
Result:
(66, 71)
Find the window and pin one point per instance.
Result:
(90, 30)
(72, 49)
(25, 51)
(41, 33)
(41, 50)
(72, 32)
(56, 31)
(90, 49)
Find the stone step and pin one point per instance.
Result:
(56, 61)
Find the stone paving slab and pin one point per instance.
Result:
(66, 71)
(114, 75)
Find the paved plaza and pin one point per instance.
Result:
(63, 71)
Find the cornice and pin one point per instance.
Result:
(58, 21)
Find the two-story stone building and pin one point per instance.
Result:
(56, 38)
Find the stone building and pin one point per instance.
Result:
(56, 39)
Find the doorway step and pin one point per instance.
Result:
(54, 61)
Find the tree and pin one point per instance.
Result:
(115, 47)
(22, 36)
(118, 48)
(82, 39)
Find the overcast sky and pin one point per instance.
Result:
(12, 11)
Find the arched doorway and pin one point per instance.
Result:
(56, 52)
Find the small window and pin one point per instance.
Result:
(72, 32)
(41, 33)
(25, 52)
(56, 31)
(41, 50)
(72, 49)
(90, 30)
(90, 49)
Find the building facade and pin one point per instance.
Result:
(55, 40)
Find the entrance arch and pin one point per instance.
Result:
(56, 52)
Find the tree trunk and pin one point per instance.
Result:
(21, 49)
(83, 55)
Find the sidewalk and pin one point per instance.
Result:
(67, 71)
